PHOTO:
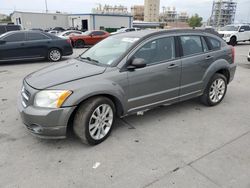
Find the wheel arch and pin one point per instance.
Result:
(118, 106)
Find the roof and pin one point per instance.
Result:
(63, 14)
(98, 14)
(152, 32)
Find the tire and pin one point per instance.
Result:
(208, 98)
(79, 44)
(87, 115)
(233, 41)
(54, 55)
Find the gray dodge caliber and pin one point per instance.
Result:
(125, 74)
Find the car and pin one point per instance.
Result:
(53, 32)
(88, 38)
(58, 29)
(233, 34)
(68, 33)
(125, 74)
(248, 57)
(123, 30)
(36, 29)
(6, 28)
(27, 45)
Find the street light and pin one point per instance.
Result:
(46, 5)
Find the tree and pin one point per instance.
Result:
(7, 19)
(195, 21)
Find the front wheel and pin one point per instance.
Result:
(233, 41)
(94, 120)
(215, 91)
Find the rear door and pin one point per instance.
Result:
(14, 48)
(196, 58)
(159, 81)
(37, 44)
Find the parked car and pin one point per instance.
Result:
(68, 33)
(233, 34)
(26, 45)
(88, 38)
(124, 30)
(36, 29)
(122, 75)
(248, 57)
(53, 32)
(6, 28)
(59, 29)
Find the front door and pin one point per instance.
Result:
(159, 81)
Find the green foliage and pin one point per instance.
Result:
(195, 21)
(8, 19)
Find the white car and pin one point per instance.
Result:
(233, 34)
(66, 34)
(124, 30)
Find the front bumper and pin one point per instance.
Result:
(45, 122)
(226, 39)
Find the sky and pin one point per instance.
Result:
(202, 7)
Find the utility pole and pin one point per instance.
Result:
(46, 5)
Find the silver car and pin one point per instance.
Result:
(122, 75)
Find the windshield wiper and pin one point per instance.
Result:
(90, 59)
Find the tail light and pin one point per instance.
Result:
(233, 54)
(69, 41)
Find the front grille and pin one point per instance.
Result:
(25, 97)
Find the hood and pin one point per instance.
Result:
(62, 73)
(227, 32)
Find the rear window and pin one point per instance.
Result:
(13, 27)
(2, 29)
(214, 43)
(191, 45)
(36, 36)
(16, 37)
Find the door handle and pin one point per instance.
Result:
(172, 66)
(209, 57)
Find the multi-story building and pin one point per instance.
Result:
(223, 13)
(137, 12)
(183, 17)
(108, 9)
(168, 14)
(151, 10)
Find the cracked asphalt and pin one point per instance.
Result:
(186, 145)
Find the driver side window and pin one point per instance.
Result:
(157, 51)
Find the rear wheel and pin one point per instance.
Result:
(215, 91)
(79, 44)
(54, 55)
(94, 120)
(233, 41)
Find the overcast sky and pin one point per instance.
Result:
(202, 7)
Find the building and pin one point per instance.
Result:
(223, 13)
(30, 20)
(168, 14)
(108, 9)
(109, 22)
(137, 12)
(151, 10)
(92, 21)
(183, 17)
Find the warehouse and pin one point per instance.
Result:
(100, 21)
(109, 22)
(29, 20)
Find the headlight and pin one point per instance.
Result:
(227, 35)
(51, 98)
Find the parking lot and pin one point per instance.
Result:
(183, 145)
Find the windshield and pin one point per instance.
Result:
(87, 32)
(230, 28)
(109, 50)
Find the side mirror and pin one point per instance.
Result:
(137, 63)
(242, 30)
(2, 41)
